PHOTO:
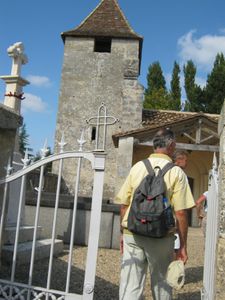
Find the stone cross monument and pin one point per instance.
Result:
(14, 82)
(13, 98)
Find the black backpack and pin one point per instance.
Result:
(150, 213)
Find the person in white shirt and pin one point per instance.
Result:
(201, 205)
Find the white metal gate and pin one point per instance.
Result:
(10, 289)
(208, 290)
(13, 290)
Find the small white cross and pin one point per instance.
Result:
(103, 120)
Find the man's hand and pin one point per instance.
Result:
(182, 254)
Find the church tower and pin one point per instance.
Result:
(102, 58)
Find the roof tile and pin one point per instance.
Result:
(153, 117)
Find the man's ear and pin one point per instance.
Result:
(171, 148)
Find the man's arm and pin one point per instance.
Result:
(182, 229)
(199, 203)
(123, 209)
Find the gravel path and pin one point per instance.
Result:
(107, 279)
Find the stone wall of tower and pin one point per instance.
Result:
(220, 258)
(88, 79)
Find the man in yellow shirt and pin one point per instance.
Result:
(141, 252)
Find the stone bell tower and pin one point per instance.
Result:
(102, 58)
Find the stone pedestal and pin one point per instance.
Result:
(14, 91)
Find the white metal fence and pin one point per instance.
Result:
(211, 238)
(12, 289)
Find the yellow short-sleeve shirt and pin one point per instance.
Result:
(177, 187)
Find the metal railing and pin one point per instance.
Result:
(11, 290)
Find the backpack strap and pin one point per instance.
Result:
(148, 166)
(167, 167)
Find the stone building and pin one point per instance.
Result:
(102, 58)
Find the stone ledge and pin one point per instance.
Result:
(66, 202)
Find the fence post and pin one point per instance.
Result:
(211, 238)
(94, 230)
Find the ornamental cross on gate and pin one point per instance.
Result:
(101, 121)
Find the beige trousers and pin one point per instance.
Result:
(142, 253)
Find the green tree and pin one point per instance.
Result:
(195, 95)
(156, 95)
(158, 99)
(175, 91)
(155, 78)
(23, 139)
(215, 86)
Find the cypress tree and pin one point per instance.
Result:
(23, 139)
(215, 86)
(156, 95)
(195, 95)
(175, 88)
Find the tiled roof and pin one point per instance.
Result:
(154, 119)
(106, 20)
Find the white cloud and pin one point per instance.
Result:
(40, 81)
(33, 103)
(201, 50)
(222, 30)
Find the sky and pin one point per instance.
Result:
(175, 30)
